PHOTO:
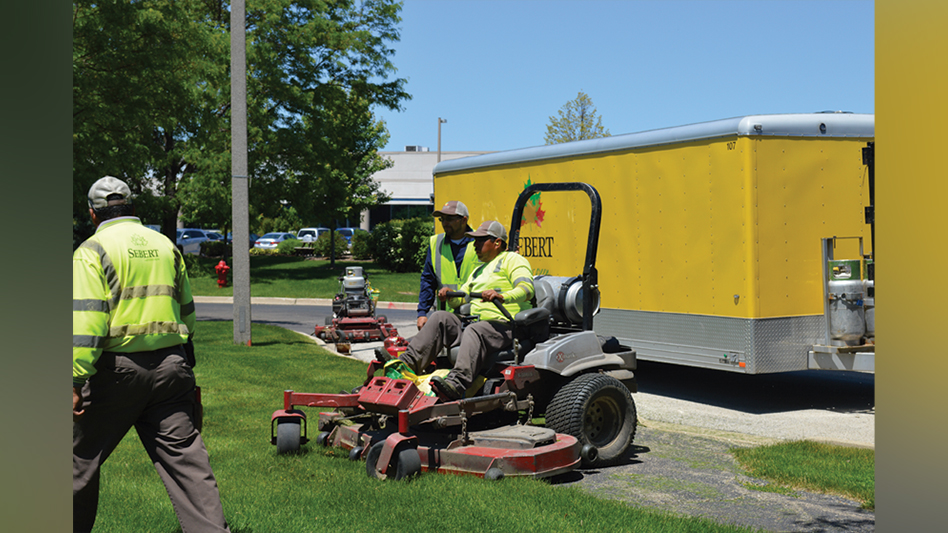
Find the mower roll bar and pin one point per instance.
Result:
(590, 274)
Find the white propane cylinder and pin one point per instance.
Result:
(847, 302)
(870, 301)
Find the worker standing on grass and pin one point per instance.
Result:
(132, 358)
(451, 258)
(503, 276)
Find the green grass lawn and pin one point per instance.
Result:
(298, 277)
(815, 467)
(320, 490)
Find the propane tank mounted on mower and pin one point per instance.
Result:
(353, 313)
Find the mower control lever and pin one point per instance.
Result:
(460, 294)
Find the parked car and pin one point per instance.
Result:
(272, 240)
(253, 238)
(348, 233)
(310, 234)
(213, 235)
(190, 239)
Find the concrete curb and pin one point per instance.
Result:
(296, 301)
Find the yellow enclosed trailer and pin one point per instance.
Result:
(713, 249)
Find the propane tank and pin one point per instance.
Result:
(870, 300)
(847, 302)
(566, 295)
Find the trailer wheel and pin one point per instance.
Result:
(406, 461)
(288, 435)
(598, 410)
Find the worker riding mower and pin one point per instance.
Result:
(353, 314)
(558, 368)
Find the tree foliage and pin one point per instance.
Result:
(151, 99)
(577, 121)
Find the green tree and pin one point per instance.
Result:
(577, 121)
(148, 82)
(152, 104)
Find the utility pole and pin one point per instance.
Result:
(440, 122)
(240, 212)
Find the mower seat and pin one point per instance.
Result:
(531, 327)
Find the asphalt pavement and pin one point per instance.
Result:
(688, 420)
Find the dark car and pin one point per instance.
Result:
(253, 238)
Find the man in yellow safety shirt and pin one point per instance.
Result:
(503, 276)
(132, 358)
(451, 257)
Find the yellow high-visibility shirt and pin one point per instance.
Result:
(130, 293)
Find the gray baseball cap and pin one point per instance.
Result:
(490, 228)
(453, 207)
(101, 190)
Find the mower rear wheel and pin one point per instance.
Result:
(288, 435)
(406, 461)
(596, 409)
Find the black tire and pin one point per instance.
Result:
(288, 435)
(494, 474)
(596, 409)
(372, 459)
(323, 438)
(356, 453)
(406, 461)
(409, 463)
(382, 319)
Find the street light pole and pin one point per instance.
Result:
(440, 122)
(239, 179)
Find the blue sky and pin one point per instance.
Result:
(498, 70)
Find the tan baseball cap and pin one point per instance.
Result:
(103, 188)
(453, 207)
(490, 228)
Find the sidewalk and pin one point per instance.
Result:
(363, 351)
(296, 301)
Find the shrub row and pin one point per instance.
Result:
(397, 245)
(402, 245)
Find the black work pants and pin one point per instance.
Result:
(154, 392)
(443, 329)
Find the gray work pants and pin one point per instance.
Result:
(443, 329)
(153, 391)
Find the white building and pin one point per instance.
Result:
(409, 182)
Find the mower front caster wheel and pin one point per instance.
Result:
(288, 435)
(356, 453)
(323, 438)
(405, 462)
(494, 474)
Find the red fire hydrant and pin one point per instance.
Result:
(222, 270)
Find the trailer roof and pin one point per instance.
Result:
(827, 124)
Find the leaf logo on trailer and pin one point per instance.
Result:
(533, 213)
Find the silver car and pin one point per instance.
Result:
(190, 239)
(272, 240)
